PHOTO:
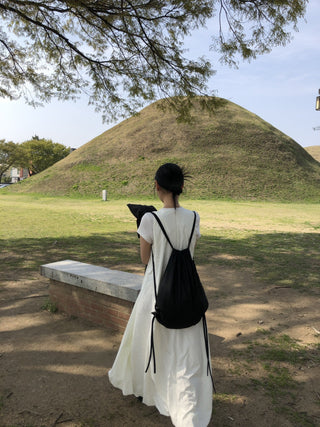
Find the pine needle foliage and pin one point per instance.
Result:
(124, 54)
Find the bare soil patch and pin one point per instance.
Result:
(54, 368)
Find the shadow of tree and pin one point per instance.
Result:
(281, 259)
(27, 254)
(66, 360)
(54, 367)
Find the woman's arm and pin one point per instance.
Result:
(145, 250)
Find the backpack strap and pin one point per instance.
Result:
(206, 342)
(193, 227)
(165, 233)
(152, 351)
(162, 228)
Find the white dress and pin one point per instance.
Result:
(180, 388)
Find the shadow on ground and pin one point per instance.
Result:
(54, 368)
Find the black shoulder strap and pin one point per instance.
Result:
(165, 233)
(162, 228)
(193, 226)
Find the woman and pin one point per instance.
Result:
(180, 388)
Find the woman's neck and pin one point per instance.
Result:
(168, 201)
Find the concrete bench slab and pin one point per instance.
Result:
(98, 294)
(115, 283)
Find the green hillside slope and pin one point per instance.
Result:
(232, 154)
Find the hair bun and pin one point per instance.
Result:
(171, 177)
(176, 190)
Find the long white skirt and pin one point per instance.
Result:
(180, 388)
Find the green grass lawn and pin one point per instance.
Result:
(279, 243)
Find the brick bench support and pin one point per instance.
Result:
(98, 294)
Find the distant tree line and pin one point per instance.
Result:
(35, 154)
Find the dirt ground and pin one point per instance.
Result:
(54, 368)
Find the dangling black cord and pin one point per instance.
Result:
(152, 351)
(206, 340)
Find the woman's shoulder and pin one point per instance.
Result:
(188, 212)
(146, 226)
(147, 218)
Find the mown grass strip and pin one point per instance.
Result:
(279, 243)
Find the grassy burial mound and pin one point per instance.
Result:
(231, 154)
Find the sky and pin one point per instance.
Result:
(280, 87)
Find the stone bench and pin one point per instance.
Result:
(98, 294)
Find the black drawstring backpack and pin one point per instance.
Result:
(181, 301)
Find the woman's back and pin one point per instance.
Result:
(178, 225)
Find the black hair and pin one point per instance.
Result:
(171, 177)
